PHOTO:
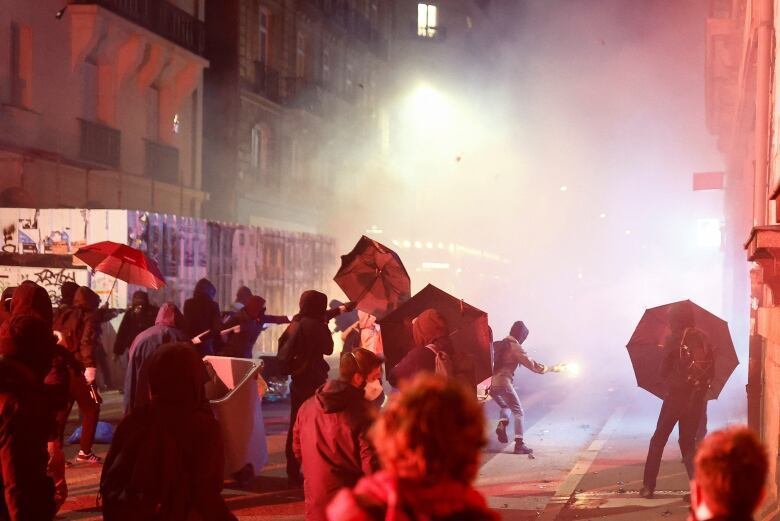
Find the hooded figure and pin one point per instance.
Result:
(431, 335)
(309, 338)
(330, 434)
(508, 355)
(67, 294)
(688, 366)
(251, 321)
(201, 313)
(139, 317)
(171, 448)
(136, 389)
(26, 492)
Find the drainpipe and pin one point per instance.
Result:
(764, 37)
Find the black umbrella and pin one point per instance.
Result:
(646, 348)
(373, 276)
(468, 326)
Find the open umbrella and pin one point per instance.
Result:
(646, 348)
(122, 262)
(468, 326)
(373, 276)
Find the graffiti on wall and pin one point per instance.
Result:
(53, 231)
(49, 278)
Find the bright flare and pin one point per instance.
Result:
(573, 369)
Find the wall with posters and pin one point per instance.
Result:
(275, 264)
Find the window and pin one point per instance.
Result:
(259, 149)
(21, 65)
(300, 56)
(153, 113)
(426, 20)
(264, 24)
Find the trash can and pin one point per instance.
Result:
(237, 406)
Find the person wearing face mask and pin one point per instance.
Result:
(329, 437)
(140, 317)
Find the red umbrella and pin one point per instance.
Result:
(123, 263)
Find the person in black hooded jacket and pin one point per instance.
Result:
(26, 492)
(309, 338)
(201, 313)
(139, 317)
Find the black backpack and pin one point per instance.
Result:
(500, 350)
(290, 353)
(696, 359)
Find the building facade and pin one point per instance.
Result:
(292, 107)
(101, 104)
(742, 111)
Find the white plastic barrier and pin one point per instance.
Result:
(238, 407)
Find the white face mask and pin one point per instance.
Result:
(372, 390)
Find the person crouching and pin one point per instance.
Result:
(329, 437)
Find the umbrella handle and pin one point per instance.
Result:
(108, 299)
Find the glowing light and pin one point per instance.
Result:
(602, 215)
(418, 244)
(628, 232)
(429, 245)
(564, 188)
(407, 244)
(436, 265)
(176, 123)
(440, 245)
(572, 369)
(396, 243)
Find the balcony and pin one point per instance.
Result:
(301, 93)
(160, 17)
(162, 162)
(428, 33)
(99, 143)
(350, 22)
(266, 82)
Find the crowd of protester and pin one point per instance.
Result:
(356, 454)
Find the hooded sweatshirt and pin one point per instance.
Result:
(251, 320)
(329, 439)
(309, 330)
(81, 327)
(139, 317)
(171, 448)
(428, 329)
(136, 389)
(509, 354)
(25, 421)
(201, 313)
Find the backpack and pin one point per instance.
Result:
(500, 350)
(146, 480)
(696, 360)
(291, 357)
(443, 362)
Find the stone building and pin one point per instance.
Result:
(101, 104)
(742, 111)
(292, 107)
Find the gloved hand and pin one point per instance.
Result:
(89, 374)
(349, 306)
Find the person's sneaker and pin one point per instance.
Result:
(522, 448)
(88, 457)
(501, 431)
(647, 493)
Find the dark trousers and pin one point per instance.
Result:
(299, 393)
(89, 410)
(687, 410)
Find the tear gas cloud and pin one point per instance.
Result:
(571, 163)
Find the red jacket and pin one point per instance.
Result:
(329, 439)
(383, 496)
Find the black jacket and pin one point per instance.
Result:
(201, 313)
(133, 322)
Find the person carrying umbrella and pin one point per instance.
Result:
(508, 355)
(688, 366)
(433, 351)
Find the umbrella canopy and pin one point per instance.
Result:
(123, 262)
(468, 327)
(646, 348)
(373, 276)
